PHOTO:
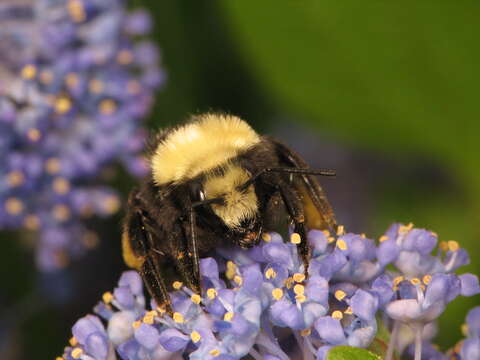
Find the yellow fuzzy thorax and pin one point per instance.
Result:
(200, 146)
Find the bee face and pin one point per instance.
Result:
(239, 209)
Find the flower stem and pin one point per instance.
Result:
(418, 342)
(393, 341)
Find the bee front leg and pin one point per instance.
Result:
(294, 208)
(155, 284)
(192, 247)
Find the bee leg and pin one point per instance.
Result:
(294, 208)
(193, 250)
(155, 285)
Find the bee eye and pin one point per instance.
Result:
(197, 192)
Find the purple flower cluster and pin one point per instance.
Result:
(258, 302)
(76, 79)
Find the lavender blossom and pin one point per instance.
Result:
(422, 284)
(76, 79)
(255, 301)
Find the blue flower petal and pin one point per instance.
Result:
(469, 284)
(173, 340)
(147, 336)
(330, 330)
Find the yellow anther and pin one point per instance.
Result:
(61, 212)
(342, 245)
(15, 178)
(95, 86)
(73, 341)
(71, 79)
(34, 134)
(59, 358)
(270, 274)
(300, 298)
(337, 314)
(52, 165)
(76, 10)
(228, 316)
(330, 239)
(298, 277)
(13, 206)
(31, 222)
(289, 282)
(340, 295)
(215, 352)
(124, 57)
(111, 204)
(326, 233)
(403, 229)
(277, 293)
(136, 324)
(212, 293)
(453, 245)
(426, 279)
(61, 185)
(107, 107)
(383, 238)
(443, 245)
(415, 281)
(238, 279)
(62, 105)
(76, 353)
(231, 270)
(107, 297)
(29, 71)
(178, 318)
(340, 230)
(266, 237)
(295, 238)
(46, 77)
(464, 329)
(348, 311)
(195, 336)
(230, 274)
(299, 289)
(398, 280)
(177, 285)
(305, 332)
(196, 299)
(148, 319)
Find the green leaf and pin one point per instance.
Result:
(351, 353)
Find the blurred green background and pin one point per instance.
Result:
(384, 92)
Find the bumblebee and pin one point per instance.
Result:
(214, 181)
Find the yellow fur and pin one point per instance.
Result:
(129, 257)
(201, 146)
(238, 206)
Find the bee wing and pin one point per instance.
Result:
(318, 212)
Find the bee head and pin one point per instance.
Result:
(238, 209)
